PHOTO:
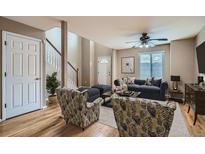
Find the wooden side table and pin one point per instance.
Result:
(195, 98)
(177, 96)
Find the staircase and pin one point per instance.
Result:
(53, 64)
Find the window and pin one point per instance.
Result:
(49, 56)
(151, 65)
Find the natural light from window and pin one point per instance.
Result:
(151, 65)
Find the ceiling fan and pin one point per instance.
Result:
(145, 41)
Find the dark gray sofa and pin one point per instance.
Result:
(155, 91)
(93, 93)
(103, 88)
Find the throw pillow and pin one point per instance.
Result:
(130, 80)
(125, 79)
(148, 82)
(117, 82)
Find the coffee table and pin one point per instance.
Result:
(128, 93)
(106, 95)
(131, 94)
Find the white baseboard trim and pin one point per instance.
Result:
(44, 107)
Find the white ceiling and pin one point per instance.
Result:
(113, 32)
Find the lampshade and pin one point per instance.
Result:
(175, 78)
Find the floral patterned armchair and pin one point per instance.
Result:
(136, 117)
(75, 108)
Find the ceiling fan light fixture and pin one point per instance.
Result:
(141, 46)
(146, 42)
(147, 46)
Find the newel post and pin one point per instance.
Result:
(64, 52)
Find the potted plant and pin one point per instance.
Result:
(51, 84)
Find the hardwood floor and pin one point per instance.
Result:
(48, 123)
(195, 130)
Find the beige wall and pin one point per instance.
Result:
(15, 27)
(135, 53)
(114, 66)
(90, 52)
(75, 52)
(92, 62)
(85, 62)
(182, 62)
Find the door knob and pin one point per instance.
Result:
(37, 78)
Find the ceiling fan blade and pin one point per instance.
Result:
(160, 39)
(132, 42)
(152, 44)
(136, 45)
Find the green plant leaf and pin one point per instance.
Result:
(52, 83)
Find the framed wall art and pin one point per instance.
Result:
(128, 65)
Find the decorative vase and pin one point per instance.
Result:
(52, 99)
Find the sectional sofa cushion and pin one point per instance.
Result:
(139, 82)
(103, 88)
(143, 88)
(150, 92)
(156, 83)
(93, 93)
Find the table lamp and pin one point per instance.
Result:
(175, 79)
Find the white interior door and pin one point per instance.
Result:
(22, 75)
(104, 70)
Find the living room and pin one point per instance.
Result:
(102, 77)
(145, 65)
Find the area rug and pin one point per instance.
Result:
(178, 128)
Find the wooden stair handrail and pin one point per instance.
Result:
(75, 69)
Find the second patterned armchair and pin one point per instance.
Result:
(75, 108)
(136, 117)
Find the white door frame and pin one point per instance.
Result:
(4, 69)
(110, 57)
